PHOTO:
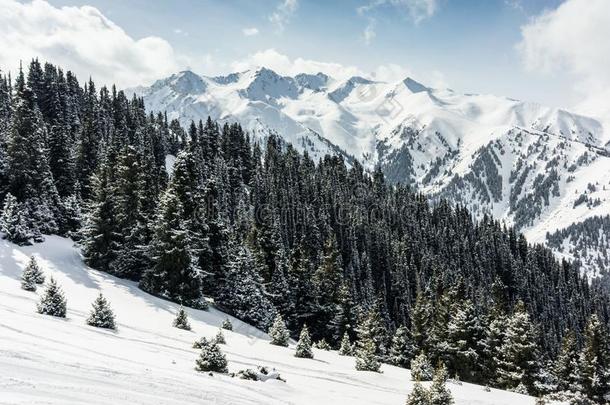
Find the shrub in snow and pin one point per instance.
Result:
(346, 346)
(419, 395)
(304, 345)
(220, 338)
(439, 394)
(278, 332)
(226, 324)
(261, 374)
(421, 369)
(182, 321)
(211, 358)
(101, 315)
(322, 345)
(53, 301)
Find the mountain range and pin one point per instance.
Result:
(540, 169)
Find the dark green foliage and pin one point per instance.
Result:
(101, 315)
(52, 301)
(182, 321)
(211, 358)
(304, 345)
(278, 333)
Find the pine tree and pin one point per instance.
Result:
(322, 344)
(518, 366)
(419, 395)
(366, 357)
(211, 358)
(439, 394)
(401, 350)
(420, 320)
(28, 279)
(304, 345)
(32, 275)
(53, 301)
(421, 369)
(463, 336)
(565, 369)
(220, 338)
(226, 324)
(13, 224)
(346, 348)
(101, 315)
(182, 321)
(278, 333)
(594, 361)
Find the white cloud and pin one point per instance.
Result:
(83, 40)
(574, 38)
(369, 32)
(249, 32)
(417, 10)
(283, 13)
(284, 65)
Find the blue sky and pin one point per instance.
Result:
(504, 47)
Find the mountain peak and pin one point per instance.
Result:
(186, 82)
(414, 86)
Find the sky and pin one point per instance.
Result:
(555, 52)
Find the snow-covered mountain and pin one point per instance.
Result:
(48, 360)
(539, 168)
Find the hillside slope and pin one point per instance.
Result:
(63, 361)
(538, 168)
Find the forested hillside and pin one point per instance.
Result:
(264, 230)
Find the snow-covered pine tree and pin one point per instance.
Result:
(28, 280)
(346, 348)
(421, 369)
(226, 324)
(565, 368)
(463, 336)
(594, 362)
(366, 356)
(242, 294)
(211, 358)
(419, 395)
(303, 349)
(101, 315)
(52, 301)
(13, 224)
(322, 344)
(401, 350)
(182, 321)
(439, 394)
(220, 338)
(518, 365)
(278, 332)
(420, 321)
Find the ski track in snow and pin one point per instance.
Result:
(47, 360)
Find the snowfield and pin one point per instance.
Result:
(47, 360)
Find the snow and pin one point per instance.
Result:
(47, 360)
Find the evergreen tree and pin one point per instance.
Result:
(53, 301)
(34, 271)
(565, 369)
(420, 319)
(463, 336)
(13, 224)
(304, 345)
(367, 348)
(594, 362)
(278, 333)
(419, 395)
(174, 273)
(220, 338)
(421, 369)
(182, 321)
(401, 350)
(28, 279)
(243, 294)
(439, 394)
(226, 324)
(211, 358)
(101, 315)
(322, 344)
(518, 365)
(346, 346)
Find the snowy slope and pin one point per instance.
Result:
(46, 360)
(522, 162)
